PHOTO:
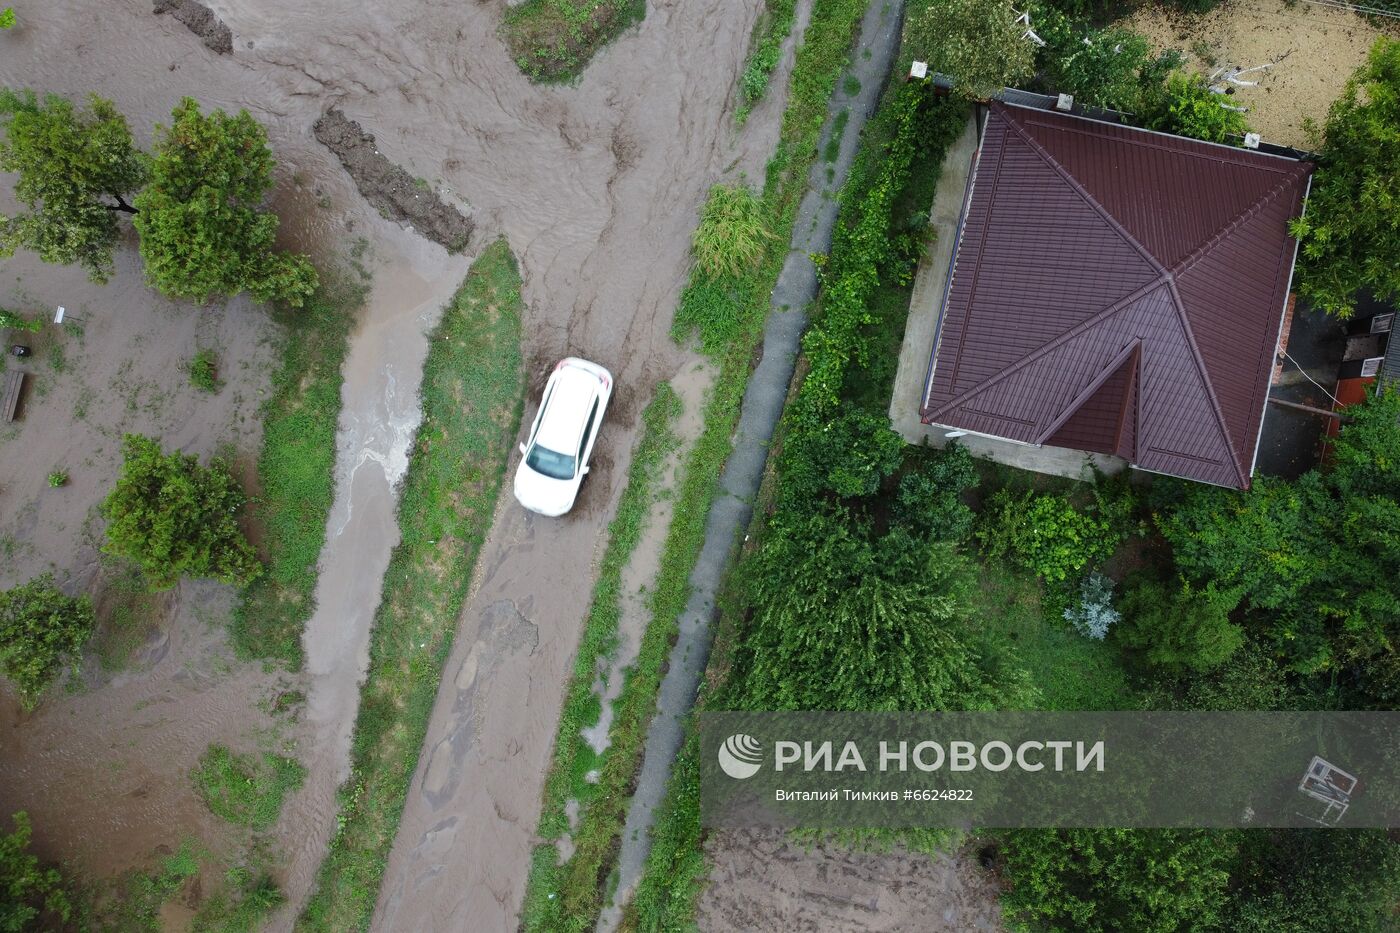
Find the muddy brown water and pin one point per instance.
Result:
(597, 187)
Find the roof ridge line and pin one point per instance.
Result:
(1079, 189)
(1201, 370)
(1190, 259)
(1045, 348)
(1082, 399)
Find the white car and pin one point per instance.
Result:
(561, 439)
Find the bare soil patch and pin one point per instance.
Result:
(762, 881)
(201, 21)
(396, 193)
(1312, 49)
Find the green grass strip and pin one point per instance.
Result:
(296, 470)
(573, 757)
(473, 385)
(554, 40)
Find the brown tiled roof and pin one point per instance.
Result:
(1118, 291)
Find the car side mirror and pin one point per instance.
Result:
(585, 469)
(522, 448)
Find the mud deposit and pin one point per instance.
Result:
(760, 881)
(397, 194)
(201, 21)
(597, 187)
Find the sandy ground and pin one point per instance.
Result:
(1313, 50)
(759, 881)
(596, 186)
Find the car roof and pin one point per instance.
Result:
(562, 425)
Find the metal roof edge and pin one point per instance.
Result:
(1287, 292)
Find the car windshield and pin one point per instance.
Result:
(550, 463)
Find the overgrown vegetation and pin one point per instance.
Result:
(13, 320)
(203, 371)
(1350, 234)
(29, 891)
(41, 630)
(174, 518)
(555, 894)
(766, 50)
(554, 40)
(246, 789)
(729, 241)
(978, 43)
(473, 384)
(296, 470)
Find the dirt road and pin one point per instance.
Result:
(596, 187)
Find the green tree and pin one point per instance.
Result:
(203, 230)
(174, 518)
(75, 171)
(1182, 626)
(1111, 880)
(1103, 67)
(1188, 107)
(1350, 234)
(27, 890)
(40, 628)
(978, 43)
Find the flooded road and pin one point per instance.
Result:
(597, 187)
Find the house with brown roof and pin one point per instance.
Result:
(1115, 291)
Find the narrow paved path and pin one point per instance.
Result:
(763, 405)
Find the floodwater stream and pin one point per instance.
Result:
(596, 186)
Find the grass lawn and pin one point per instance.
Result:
(554, 40)
(473, 385)
(296, 471)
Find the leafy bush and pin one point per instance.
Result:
(1095, 614)
(58, 478)
(1110, 880)
(848, 456)
(729, 240)
(1046, 535)
(930, 502)
(976, 42)
(14, 321)
(27, 891)
(7, 18)
(40, 628)
(203, 231)
(1190, 108)
(68, 162)
(203, 371)
(244, 789)
(174, 518)
(1350, 235)
(1181, 627)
